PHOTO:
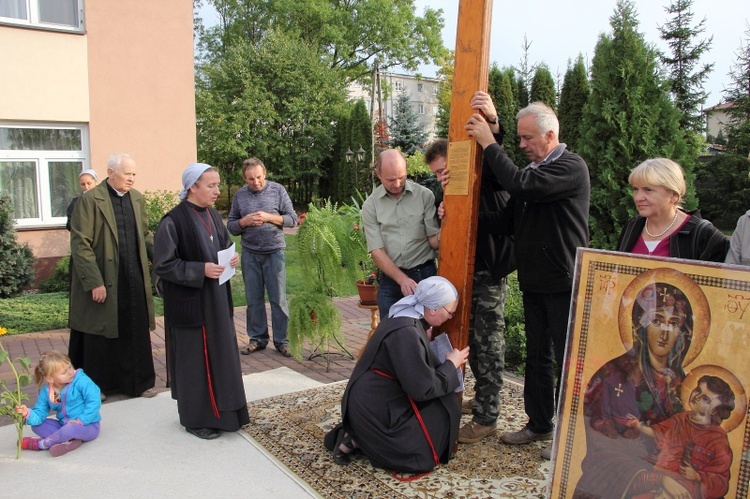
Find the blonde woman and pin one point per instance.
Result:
(662, 227)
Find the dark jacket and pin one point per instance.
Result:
(697, 239)
(547, 213)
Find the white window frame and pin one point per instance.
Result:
(42, 159)
(33, 19)
(398, 85)
(421, 109)
(420, 88)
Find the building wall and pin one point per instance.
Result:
(717, 121)
(410, 84)
(130, 77)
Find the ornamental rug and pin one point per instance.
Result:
(291, 428)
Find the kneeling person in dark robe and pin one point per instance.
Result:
(204, 365)
(397, 381)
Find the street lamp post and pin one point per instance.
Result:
(357, 157)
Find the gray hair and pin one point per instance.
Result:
(115, 161)
(544, 117)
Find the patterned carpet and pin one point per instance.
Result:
(291, 428)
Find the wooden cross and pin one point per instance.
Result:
(619, 390)
(459, 227)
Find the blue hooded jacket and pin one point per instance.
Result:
(79, 399)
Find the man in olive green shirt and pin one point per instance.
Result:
(401, 229)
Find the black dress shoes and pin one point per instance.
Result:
(204, 433)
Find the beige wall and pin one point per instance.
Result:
(130, 77)
(44, 76)
(142, 93)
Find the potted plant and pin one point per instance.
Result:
(331, 250)
(367, 284)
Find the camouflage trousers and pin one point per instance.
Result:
(487, 342)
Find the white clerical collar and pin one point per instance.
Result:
(121, 194)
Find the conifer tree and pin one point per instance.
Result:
(543, 87)
(573, 96)
(16, 259)
(405, 130)
(738, 94)
(686, 73)
(628, 118)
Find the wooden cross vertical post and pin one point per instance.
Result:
(461, 201)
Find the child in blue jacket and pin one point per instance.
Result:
(75, 399)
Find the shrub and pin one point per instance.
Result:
(16, 260)
(60, 278)
(158, 203)
(515, 333)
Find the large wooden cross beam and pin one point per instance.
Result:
(459, 227)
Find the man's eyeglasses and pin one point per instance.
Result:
(450, 314)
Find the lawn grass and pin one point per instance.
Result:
(48, 311)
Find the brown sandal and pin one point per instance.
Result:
(252, 347)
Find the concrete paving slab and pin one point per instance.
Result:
(143, 451)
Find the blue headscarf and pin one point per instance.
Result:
(433, 292)
(191, 175)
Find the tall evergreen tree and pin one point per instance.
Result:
(628, 118)
(686, 73)
(738, 94)
(506, 113)
(525, 73)
(406, 133)
(543, 87)
(573, 96)
(523, 92)
(445, 95)
(360, 137)
(494, 82)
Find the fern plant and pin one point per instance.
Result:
(330, 249)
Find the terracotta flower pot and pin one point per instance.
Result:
(368, 293)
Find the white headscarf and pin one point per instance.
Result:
(433, 293)
(191, 175)
(89, 172)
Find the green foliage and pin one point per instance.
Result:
(348, 36)
(573, 96)
(515, 333)
(275, 101)
(40, 312)
(16, 260)
(445, 96)
(332, 250)
(158, 204)
(60, 278)
(543, 87)
(349, 173)
(724, 189)
(628, 118)
(416, 168)
(685, 80)
(507, 107)
(738, 94)
(405, 130)
(312, 316)
(12, 397)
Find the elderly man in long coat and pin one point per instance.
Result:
(111, 307)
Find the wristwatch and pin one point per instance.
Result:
(492, 122)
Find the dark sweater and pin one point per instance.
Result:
(547, 213)
(697, 239)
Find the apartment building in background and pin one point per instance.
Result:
(83, 80)
(422, 92)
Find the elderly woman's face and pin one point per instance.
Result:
(442, 314)
(653, 200)
(662, 332)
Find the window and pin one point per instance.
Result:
(398, 85)
(420, 87)
(421, 109)
(39, 169)
(54, 14)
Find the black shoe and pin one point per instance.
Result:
(284, 351)
(343, 448)
(204, 433)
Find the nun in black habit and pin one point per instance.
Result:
(399, 381)
(202, 355)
